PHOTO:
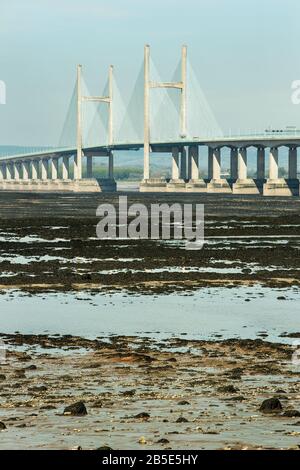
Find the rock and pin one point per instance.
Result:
(37, 388)
(163, 441)
(31, 367)
(291, 414)
(236, 398)
(290, 335)
(104, 448)
(228, 389)
(20, 373)
(271, 405)
(142, 415)
(281, 397)
(235, 374)
(128, 393)
(181, 419)
(183, 402)
(76, 409)
(281, 297)
(246, 271)
(2, 426)
(172, 359)
(48, 407)
(2, 377)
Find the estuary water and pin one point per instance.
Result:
(240, 312)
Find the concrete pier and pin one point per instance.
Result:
(195, 184)
(183, 166)
(34, 166)
(216, 184)
(65, 168)
(16, 171)
(176, 183)
(89, 167)
(2, 172)
(260, 172)
(44, 169)
(243, 184)
(54, 168)
(25, 171)
(233, 164)
(111, 165)
(276, 186)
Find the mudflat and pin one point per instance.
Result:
(143, 391)
(49, 242)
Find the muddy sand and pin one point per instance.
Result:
(144, 394)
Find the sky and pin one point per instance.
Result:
(245, 54)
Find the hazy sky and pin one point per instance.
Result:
(246, 53)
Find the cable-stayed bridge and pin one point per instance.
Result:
(166, 117)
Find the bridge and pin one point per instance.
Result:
(166, 117)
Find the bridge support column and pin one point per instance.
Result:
(9, 171)
(65, 168)
(260, 174)
(293, 163)
(175, 164)
(273, 164)
(233, 164)
(78, 167)
(2, 172)
(25, 170)
(195, 184)
(89, 167)
(111, 165)
(189, 164)
(176, 183)
(260, 169)
(44, 169)
(276, 186)
(54, 168)
(34, 164)
(243, 184)
(217, 184)
(183, 163)
(216, 164)
(209, 163)
(242, 164)
(16, 171)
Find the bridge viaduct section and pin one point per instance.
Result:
(185, 169)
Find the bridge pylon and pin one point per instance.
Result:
(101, 99)
(148, 84)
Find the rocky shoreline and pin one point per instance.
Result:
(135, 392)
